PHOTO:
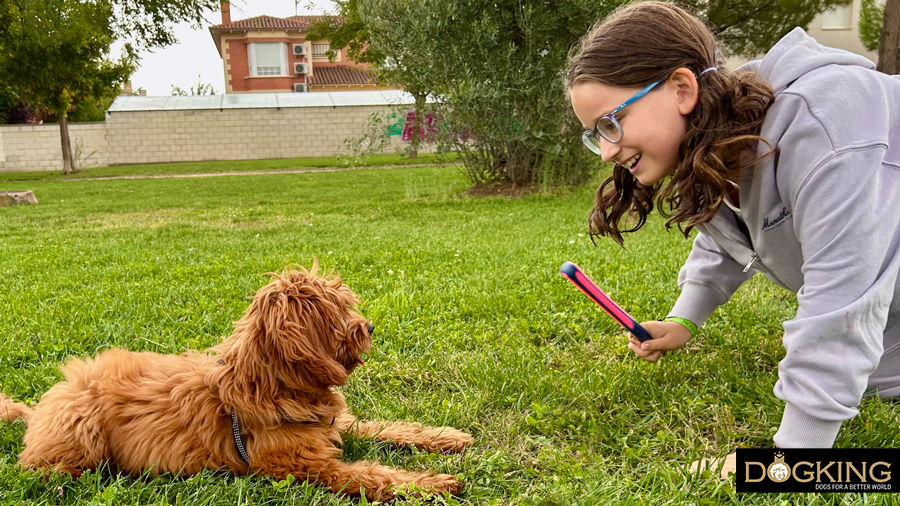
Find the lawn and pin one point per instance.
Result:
(218, 167)
(475, 329)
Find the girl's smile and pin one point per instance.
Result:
(652, 127)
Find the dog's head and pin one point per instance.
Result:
(301, 332)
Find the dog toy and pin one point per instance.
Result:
(584, 283)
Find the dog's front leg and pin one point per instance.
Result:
(376, 481)
(433, 439)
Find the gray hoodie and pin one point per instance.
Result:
(823, 214)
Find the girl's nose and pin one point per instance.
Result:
(608, 150)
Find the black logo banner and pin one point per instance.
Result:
(818, 470)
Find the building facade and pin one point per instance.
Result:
(266, 54)
(837, 27)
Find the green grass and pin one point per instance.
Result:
(475, 329)
(212, 167)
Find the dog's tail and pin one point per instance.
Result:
(11, 410)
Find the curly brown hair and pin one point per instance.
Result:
(721, 130)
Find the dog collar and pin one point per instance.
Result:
(238, 438)
(311, 421)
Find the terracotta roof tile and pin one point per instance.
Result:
(270, 22)
(340, 75)
(309, 19)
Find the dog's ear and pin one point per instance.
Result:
(301, 328)
(287, 338)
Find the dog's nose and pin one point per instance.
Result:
(370, 329)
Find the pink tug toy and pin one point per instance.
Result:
(584, 283)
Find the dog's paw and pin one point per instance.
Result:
(385, 496)
(444, 440)
(438, 484)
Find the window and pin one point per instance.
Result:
(839, 17)
(318, 50)
(267, 58)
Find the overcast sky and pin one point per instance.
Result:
(195, 53)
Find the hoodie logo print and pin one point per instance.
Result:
(770, 224)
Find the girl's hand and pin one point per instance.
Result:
(666, 336)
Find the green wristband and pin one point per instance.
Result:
(687, 323)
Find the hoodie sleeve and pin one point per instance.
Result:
(847, 221)
(708, 279)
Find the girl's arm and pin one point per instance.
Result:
(708, 279)
(847, 220)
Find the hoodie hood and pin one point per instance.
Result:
(797, 54)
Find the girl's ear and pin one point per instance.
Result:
(686, 90)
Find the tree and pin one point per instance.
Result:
(879, 29)
(56, 52)
(497, 67)
(9, 99)
(19, 114)
(347, 29)
(92, 108)
(89, 107)
(144, 24)
(750, 27)
(201, 89)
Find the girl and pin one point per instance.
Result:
(789, 166)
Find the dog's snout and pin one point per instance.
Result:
(370, 329)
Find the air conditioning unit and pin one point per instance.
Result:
(299, 49)
(299, 68)
(300, 88)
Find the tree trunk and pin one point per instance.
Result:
(68, 167)
(418, 112)
(889, 44)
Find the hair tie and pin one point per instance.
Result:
(710, 69)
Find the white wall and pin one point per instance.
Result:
(38, 147)
(160, 136)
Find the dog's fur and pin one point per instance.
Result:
(142, 412)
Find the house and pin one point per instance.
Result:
(837, 27)
(128, 91)
(266, 54)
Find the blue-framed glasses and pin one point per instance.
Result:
(608, 127)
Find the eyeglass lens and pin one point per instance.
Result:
(609, 129)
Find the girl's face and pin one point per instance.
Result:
(652, 126)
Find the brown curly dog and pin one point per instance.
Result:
(259, 402)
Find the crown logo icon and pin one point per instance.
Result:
(778, 470)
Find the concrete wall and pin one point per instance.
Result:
(235, 134)
(129, 137)
(37, 147)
